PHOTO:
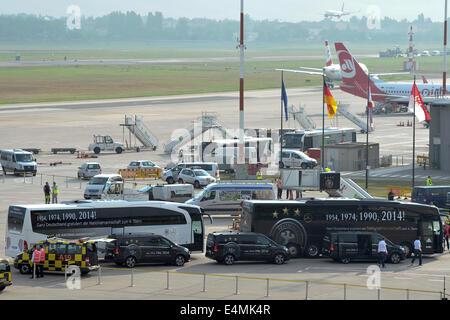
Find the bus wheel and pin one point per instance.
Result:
(345, 260)
(293, 249)
(395, 258)
(408, 248)
(24, 268)
(312, 251)
(229, 259)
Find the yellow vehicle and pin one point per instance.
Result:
(60, 254)
(5, 274)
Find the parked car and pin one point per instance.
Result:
(103, 184)
(129, 250)
(346, 246)
(294, 158)
(88, 170)
(142, 164)
(228, 247)
(171, 175)
(225, 198)
(18, 161)
(197, 177)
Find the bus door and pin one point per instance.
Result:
(428, 241)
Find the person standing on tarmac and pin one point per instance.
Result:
(391, 195)
(280, 191)
(382, 252)
(47, 193)
(42, 261)
(417, 251)
(429, 182)
(259, 175)
(55, 191)
(35, 260)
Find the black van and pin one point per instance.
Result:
(347, 246)
(228, 247)
(129, 250)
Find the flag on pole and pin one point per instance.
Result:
(415, 98)
(370, 102)
(329, 100)
(284, 98)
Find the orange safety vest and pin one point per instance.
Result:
(42, 254)
(36, 257)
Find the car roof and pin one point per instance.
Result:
(241, 186)
(106, 175)
(235, 233)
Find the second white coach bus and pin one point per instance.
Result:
(28, 224)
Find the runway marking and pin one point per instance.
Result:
(400, 278)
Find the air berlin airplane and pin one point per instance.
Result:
(355, 82)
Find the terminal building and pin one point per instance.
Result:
(439, 146)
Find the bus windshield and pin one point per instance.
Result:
(2, 266)
(292, 140)
(98, 180)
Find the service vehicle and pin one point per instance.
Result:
(105, 143)
(301, 225)
(226, 198)
(104, 184)
(436, 195)
(349, 246)
(179, 222)
(228, 247)
(18, 161)
(197, 177)
(294, 158)
(129, 250)
(169, 192)
(61, 254)
(171, 175)
(302, 140)
(88, 170)
(142, 164)
(5, 274)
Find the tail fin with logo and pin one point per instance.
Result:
(329, 61)
(353, 76)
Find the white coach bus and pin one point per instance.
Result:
(28, 224)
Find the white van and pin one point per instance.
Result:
(18, 161)
(172, 192)
(294, 158)
(225, 198)
(104, 184)
(171, 175)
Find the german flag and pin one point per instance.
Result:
(329, 100)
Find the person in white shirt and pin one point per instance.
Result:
(382, 252)
(417, 251)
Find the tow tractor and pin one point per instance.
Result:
(105, 143)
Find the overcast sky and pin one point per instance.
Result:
(283, 10)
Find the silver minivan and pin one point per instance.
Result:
(103, 184)
(225, 198)
(18, 161)
(171, 175)
(88, 170)
(294, 158)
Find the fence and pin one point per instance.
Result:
(187, 284)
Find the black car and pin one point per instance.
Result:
(228, 247)
(128, 250)
(347, 245)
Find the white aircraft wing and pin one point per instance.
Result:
(301, 71)
(314, 69)
(387, 74)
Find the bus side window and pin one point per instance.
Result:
(52, 248)
(61, 249)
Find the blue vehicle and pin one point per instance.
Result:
(436, 195)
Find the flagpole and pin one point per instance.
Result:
(367, 133)
(323, 122)
(281, 121)
(414, 132)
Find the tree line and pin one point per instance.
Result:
(132, 27)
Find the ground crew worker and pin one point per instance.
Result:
(259, 175)
(55, 191)
(42, 260)
(35, 260)
(47, 193)
(280, 191)
(391, 195)
(429, 182)
(327, 169)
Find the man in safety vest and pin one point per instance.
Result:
(35, 260)
(259, 175)
(429, 182)
(55, 191)
(42, 260)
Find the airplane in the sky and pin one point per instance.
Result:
(355, 81)
(329, 14)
